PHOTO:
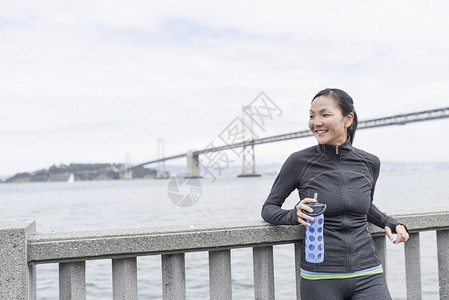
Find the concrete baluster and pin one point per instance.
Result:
(220, 274)
(381, 247)
(72, 281)
(298, 249)
(32, 283)
(413, 267)
(124, 278)
(443, 262)
(263, 273)
(173, 277)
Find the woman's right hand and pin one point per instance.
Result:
(302, 206)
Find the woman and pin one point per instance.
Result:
(344, 179)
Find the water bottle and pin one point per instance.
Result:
(314, 234)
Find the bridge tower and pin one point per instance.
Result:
(193, 166)
(128, 174)
(160, 170)
(249, 161)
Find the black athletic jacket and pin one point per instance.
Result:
(344, 178)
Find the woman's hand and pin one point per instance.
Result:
(302, 206)
(402, 234)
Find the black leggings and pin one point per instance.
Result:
(358, 288)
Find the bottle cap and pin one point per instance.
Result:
(318, 209)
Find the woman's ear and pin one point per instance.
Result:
(348, 120)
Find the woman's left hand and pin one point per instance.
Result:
(401, 234)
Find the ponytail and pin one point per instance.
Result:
(353, 128)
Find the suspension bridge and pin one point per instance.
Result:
(247, 145)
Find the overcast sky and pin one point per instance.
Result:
(90, 81)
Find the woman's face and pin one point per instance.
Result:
(327, 122)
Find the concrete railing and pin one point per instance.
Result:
(21, 249)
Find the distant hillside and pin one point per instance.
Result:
(81, 172)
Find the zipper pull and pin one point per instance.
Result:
(336, 150)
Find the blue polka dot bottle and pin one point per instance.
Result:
(315, 240)
(314, 244)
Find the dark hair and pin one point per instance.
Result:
(346, 105)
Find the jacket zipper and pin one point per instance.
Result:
(336, 150)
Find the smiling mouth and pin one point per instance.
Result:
(321, 131)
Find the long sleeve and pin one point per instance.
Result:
(380, 219)
(285, 183)
(374, 215)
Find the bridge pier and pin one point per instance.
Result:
(193, 166)
(249, 163)
(160, 170)
(128, 173)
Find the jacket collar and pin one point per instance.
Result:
(332, 150)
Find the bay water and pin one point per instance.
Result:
(59, 206)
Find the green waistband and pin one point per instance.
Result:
(317, 276)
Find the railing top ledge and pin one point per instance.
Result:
(94, 244)
(150, 230)
(16, 224)
(443, 210)
(423, 219)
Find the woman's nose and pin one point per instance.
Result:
(318, 121)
